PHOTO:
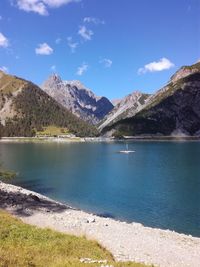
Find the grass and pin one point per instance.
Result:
(24, 245)
(10, 84)
(53, 131)
(6, 175)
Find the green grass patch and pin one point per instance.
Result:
(24, 245)
(53, 131)
(5, 175)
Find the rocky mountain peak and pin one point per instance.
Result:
(76, 83)
(126, 107)
(172, 111)
(77, 98)
(28, 109)
(53, 81)
(130, 99)
(55, 77)
(81, 87)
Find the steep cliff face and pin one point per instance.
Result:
(173, 110)
(25, 108)
(77, 98)
(125, 108)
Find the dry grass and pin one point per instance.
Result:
(53, 131)
(24, 245)
(10, 84)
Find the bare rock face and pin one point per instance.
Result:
(172, 111)
(185, 71)
(115, 101)
(74, 96)
(125, 108)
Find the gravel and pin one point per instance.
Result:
(126, 241)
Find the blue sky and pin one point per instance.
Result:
(113, 46)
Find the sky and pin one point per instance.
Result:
(114, 47)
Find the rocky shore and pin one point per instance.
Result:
(126, 241)
(36, 139)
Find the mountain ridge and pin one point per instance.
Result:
(172, 110)
(77, 98)
(126, 107)
(25, 108)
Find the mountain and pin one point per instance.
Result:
(74, 96)
(174, 110)
(115, 101)
(185, 71)
(125, 108)
(25, 108)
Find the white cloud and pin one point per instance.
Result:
(41, 6)
(33, 6)
(93, 20)
(3, 41)
(4, 69)
(106, 62)
(71, 44)
(85, 33)
(82, 69)
(162, 64)
(58, 3)
(43, 49)
(1, 17)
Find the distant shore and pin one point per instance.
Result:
(41, 139)
(126, 241)
(54, 139)
(97, 139)
(162, 138)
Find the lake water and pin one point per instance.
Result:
(158, 185)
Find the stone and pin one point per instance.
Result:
(91, 220)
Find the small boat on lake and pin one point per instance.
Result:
(127, 151)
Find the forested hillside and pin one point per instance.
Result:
(25, 109)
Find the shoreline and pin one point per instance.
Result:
(40, 139)
(126, 241)
(98, 139)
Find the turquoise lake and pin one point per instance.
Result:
(158, 185)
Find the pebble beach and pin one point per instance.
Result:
(126, 241)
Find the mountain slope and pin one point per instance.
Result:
(25, 108)
(173, 110)
(79, 100)
(125, 108)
